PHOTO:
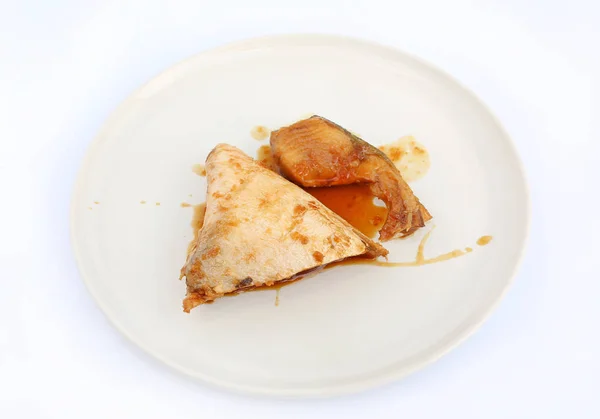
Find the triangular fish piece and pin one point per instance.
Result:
(260, 229)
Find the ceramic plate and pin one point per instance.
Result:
(348, 328)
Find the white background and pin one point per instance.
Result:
(66, 64)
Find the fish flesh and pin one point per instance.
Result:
(260, 229)
(316, 152)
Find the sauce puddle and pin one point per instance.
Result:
(355, 204)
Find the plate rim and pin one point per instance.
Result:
(362, 384)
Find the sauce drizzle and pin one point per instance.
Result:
(277, 292)
(420, 258)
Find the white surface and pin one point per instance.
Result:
(67, 64)
(352, 327)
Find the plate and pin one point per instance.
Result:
(351, 327)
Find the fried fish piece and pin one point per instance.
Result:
(260, 229)
(316, 152)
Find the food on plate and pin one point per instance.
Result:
(260, 229)
(316, 152)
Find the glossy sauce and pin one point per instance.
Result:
(355, 204)
(410, 157)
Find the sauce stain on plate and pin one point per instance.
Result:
(409, 156)
(260, 132)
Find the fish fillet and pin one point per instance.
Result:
(316, 152)
(260, 229)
